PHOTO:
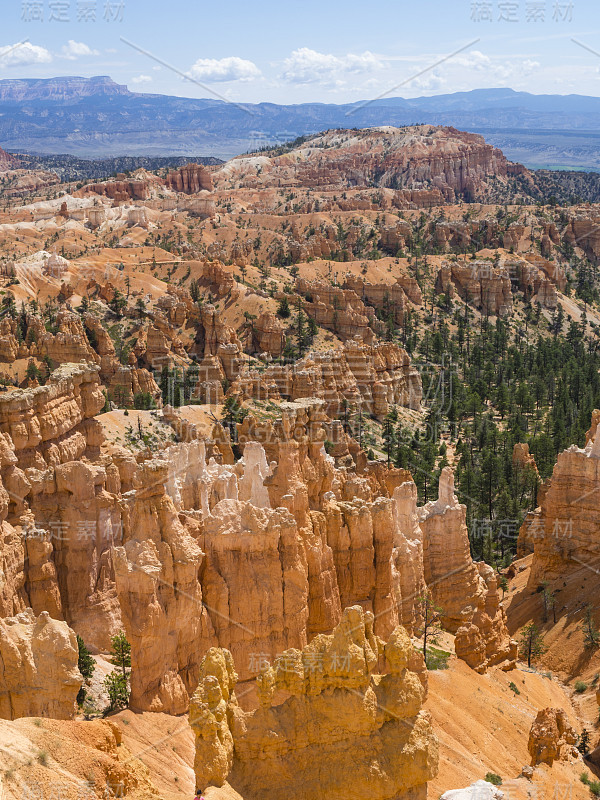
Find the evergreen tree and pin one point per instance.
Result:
(86, 663)
(591, 635)
(532, 643)
(120, 653)
(283, 309)
(430, 626)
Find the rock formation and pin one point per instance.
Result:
(189, 179)
(286, 542)
(7, 161)
(61, 516)
(482, 283)
(466, 592)
(551, 738)
(342, 729)
(38, 667)
(337, 309)
(119, 191)
(373, 378)
(563, 531)
(442, 163)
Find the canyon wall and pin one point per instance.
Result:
(563, 530)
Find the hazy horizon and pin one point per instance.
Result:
(324, 53)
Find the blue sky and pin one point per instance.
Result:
(325, 51)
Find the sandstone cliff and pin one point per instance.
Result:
(466, 591)
(563, 531)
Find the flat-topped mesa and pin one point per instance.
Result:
(54, 423)
(38, 667)
(466, 592)
(422, 164)
(563, 532)
(342, 729)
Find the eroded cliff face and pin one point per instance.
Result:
(563, 530)
(60, 510)
(466, 591)
(188, 549)
(372, 378)
(264, 554)
(341, 727)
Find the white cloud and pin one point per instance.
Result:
(22, 55)
(142, 79)
(73, 50)
(309, 66)
(473, 60)
(220, 70)
(429, 82)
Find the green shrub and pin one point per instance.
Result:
(436, 658)
(491, 777)
(514, 688)
(580, 687)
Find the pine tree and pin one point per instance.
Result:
(116, 682)
(283, 310)
(120, 653)
(117, 689)
(591, 635)
(583, 745)
(430, 626)
(86, 663)
(532, 643)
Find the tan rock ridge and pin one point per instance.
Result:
(342, 729)
(62, 507)
(53, 423)
(466, 592)
(370, 377)
(443, 161)
(337, 309)
(562, 531)
(189, 179)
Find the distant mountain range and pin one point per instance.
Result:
(96, 117)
